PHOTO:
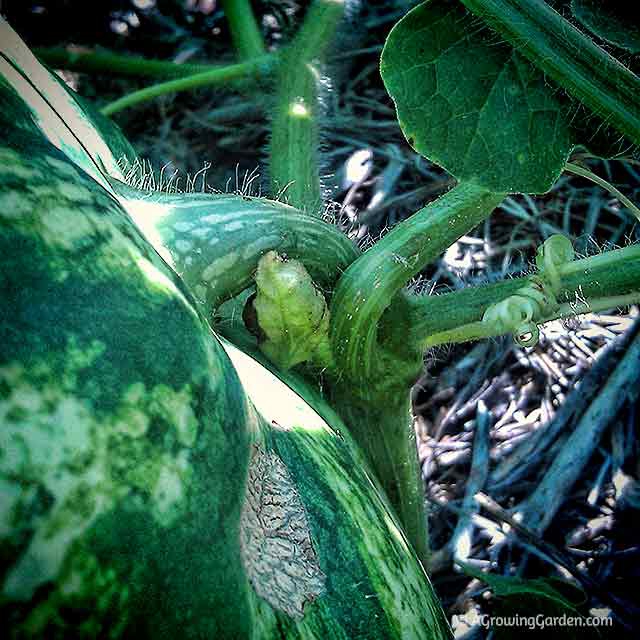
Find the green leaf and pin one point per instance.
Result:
(542, 601)
(472, 104)
(508, 586)
(614, 22)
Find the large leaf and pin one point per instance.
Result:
(472, 104)
(615, 22)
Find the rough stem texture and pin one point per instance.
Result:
(294, 128)
(568, 56)
(368, 286)
(611, 277)
(375, 405)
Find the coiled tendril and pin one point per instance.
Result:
(518, 312)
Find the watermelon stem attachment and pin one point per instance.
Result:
(371, 283)
(383, 428)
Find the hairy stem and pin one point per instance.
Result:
(245, 32)
(568, 56)
(253, 69)
(368, 286)
(578, 170)
(596, 283)
(294, 129)
(112, 63)
(384, 431)
(214, 241)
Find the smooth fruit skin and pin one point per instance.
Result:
(154, 481)
(109, 380)
(127, 434)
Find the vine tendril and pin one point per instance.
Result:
(518, 312)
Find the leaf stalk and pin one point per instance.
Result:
(570, 57)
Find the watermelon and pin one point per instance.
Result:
(157, 480)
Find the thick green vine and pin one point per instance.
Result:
(293, 153)
(596, 283)
(107, 62)
(245, 31)
(214, 241)
(568, 56)
(256, 68)
(369, 285)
